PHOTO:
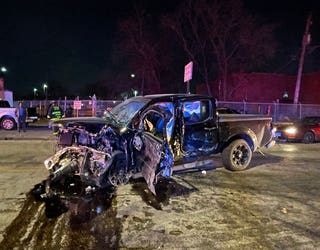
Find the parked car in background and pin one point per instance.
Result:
(225, 110)
(32, 115)
(306, 130)
(8, 117)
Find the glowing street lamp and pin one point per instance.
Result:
(45, 90)
(34, 93)
(132, 75)
(135, 92)
(3, 69)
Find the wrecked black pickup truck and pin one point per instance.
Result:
(149, 136)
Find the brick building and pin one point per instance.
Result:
(266, 87)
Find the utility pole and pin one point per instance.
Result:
(305, 42)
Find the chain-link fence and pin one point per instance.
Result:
(86, 107)
(279, 111)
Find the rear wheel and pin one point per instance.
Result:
(237, 156)
(8, 123)
(308, 137)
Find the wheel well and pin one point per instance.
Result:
(309, 131)
(245, 137)
(7, 117)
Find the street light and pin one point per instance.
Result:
(45, 90)
(34, 93)
(135, 92)
(2, 73)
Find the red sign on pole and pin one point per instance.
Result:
(188, 72)
(77, 105)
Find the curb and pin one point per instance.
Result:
(25, 139)
(36, 133)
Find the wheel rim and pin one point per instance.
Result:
(118, 175)
(119, 178)
(308, 138)
(240, 155)
(7, 124)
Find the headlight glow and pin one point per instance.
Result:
(291, 130)
(124, 129)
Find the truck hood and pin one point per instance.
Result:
(91, 124)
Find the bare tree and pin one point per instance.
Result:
(221, 34)
(141, 49)
(189, 30)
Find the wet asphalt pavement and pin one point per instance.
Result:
(273, 205)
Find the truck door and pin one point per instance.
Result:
(199, 130)
(154, 155)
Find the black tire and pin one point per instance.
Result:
(8, 123)
(308, 137)
(37, 191)
(237, 156)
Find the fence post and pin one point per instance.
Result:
(275, 111)
(244, 106)
(300, 110)
(268, 109)
(39, 110)
(94, 105)
(65, 104)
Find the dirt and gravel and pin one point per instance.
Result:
(273, 205)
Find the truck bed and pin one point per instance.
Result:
(257, 127)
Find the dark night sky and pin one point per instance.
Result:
(71, 41)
